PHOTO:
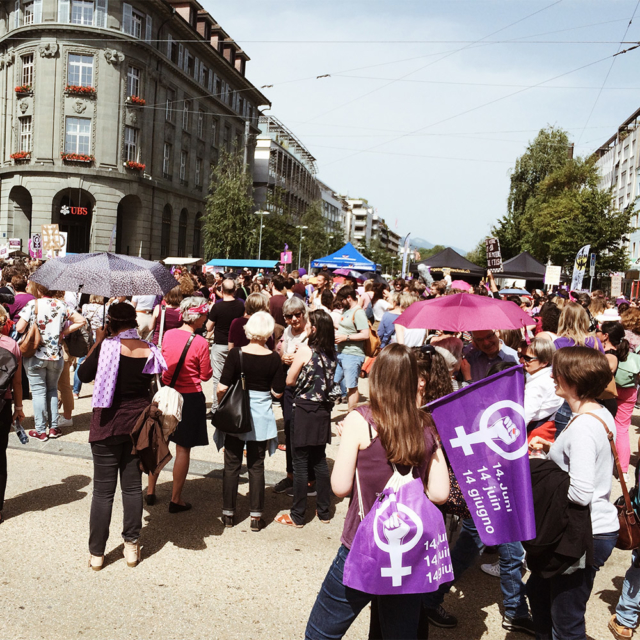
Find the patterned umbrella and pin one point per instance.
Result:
(105, 274)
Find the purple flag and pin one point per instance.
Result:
(483, 432)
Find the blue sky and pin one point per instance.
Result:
(401, 120)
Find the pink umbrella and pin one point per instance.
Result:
(461, 284)
(463, 312)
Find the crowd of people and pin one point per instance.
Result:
(301, 341)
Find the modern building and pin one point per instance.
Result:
(284, 173)
(334, 211)
(113, 114)
(620, 171)
(359, 221)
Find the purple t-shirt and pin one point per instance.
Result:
(20, 303)
(591, 342)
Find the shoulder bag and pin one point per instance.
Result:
(80, 341)
(168, 399)
(629, 535)
(32, 338)
(233, 415)
(371, 345)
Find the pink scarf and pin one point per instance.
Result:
(109, 363)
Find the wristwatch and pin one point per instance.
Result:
(348, 338)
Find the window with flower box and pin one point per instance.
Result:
(133, 81)
(26, 133)
(27, 70)
(131, 145)
(80, 71)
(78, 136)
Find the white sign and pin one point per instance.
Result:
(4, 251)
(15, 244)
(62, 244)
(616, 286)
(552, 275)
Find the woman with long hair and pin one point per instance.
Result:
(626, 368)
(44, 368)
(123, 367)
(434, 379)
(196, 368)
(582, 450)
(391, 430)
(311, 372)
(166, 315)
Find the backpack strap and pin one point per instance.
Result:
(183, 357)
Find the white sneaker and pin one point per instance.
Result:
(64, 422)
(492, 569)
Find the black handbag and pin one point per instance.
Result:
(79, 342)
(233, 415)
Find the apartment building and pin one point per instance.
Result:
(284, 174)
(113, 115)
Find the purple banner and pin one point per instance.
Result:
(483, 432)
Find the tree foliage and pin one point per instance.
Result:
(568, 211)
(548, 152)
(376, 251)
(229, 226)
(478, 255)
(427, 253)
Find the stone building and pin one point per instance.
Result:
(113, 114)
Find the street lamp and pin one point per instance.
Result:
(261, 213)
(301, 227)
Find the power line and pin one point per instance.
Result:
(436, 61)
(613, 61)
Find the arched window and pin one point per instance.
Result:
(197, 236)
(182, 233)
(165, 237)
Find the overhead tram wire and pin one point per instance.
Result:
(467, 111)
(609, 70)
(479, 41)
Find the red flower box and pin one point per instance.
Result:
(77, 157)
(80, 91)
(136, 166)
(23, 88)
(21, 155)
(136, 100)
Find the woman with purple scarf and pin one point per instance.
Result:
(122, 366)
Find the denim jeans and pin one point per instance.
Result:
(77, 385)
(558, 604)
(43, 379)
(465, 551)
(629, 603)
(337, 606)
(348, 371)
(112, 458)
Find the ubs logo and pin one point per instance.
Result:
(74, 211)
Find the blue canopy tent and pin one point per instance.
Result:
(346, 258)
(250, 264)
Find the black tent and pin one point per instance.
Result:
(450, 259)
(523, 267)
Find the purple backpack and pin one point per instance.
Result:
(401, 545)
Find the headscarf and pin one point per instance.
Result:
(109, 364)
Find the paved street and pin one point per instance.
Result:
(196, 580)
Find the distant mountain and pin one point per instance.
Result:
(417, 243)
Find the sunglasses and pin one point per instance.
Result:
(527, 358)
(289, 316)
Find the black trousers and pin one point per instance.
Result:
(233, 449)
(305, 459)
(112, 458)
(5, 426)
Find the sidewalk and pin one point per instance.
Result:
(196, 579)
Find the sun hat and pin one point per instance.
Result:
(608, 315)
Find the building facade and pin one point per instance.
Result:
(113, 115)
(284, 174)
(334, 212)
(619, 171)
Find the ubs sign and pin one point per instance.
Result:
(74, 211)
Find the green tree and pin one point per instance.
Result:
(427, 253)
(376, 251)
(548, 152)
(229, 226)
(478, 255)
(569, 211)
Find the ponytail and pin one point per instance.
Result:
(622, 350)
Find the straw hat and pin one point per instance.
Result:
(609, 315)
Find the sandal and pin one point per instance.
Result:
(285, 519)
(282, 447)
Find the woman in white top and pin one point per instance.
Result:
(379, 302)
(581, 374)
